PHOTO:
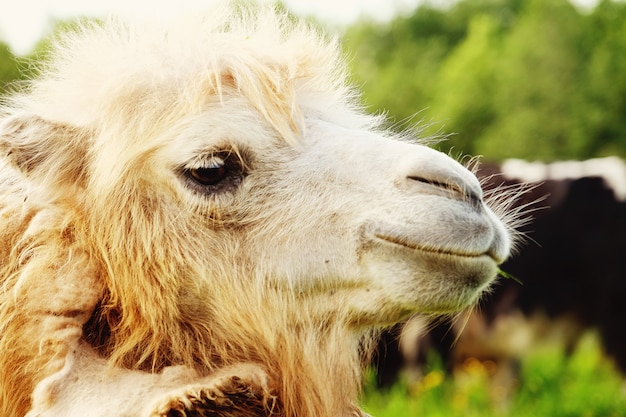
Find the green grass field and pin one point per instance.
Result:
(548, 385)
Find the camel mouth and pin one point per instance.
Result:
(441, 251)
(429, 278)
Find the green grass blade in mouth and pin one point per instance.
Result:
(506, 275)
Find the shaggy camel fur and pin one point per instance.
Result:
(197, 219)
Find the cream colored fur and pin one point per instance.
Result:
(128, 288)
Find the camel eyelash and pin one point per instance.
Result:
(208, 161)
(229, 154)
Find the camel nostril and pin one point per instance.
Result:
(464, 192)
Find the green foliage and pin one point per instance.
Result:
(397, 64)
(605, 79)
(9, 69)
(549, 384)
(535, 79)
(538, 71)
(471, 68)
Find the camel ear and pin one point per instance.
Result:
(37, 147)
(22, 140)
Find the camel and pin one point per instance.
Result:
(199, 218)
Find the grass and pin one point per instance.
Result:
(547, 384)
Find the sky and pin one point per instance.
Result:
(24, 22)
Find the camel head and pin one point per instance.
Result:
(221, 184)
(249, 158)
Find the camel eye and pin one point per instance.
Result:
(215, 173)
(212, 174)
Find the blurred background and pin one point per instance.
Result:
(538, 89)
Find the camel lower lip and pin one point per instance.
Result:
(454, 279)
(434, 250)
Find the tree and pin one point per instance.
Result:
(534, 79)
(397, 63)
(465, 84)
(602, 118)
(537, 78)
